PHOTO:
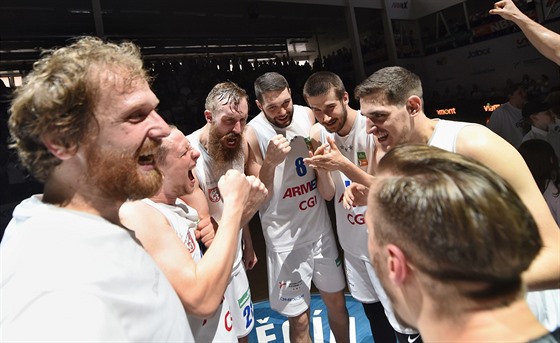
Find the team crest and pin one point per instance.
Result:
(214, 194)
(190, 243)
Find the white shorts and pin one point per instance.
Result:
(290, 274)
(238, 295)
(218, 328)
(359, 276)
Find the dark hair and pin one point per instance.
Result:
(392, 84)
(268, 82)
(542, 162)
(321, 82)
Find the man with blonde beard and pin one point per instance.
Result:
(84, 123)
(223, 147)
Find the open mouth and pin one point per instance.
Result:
(191, 175)
(146, 159)
(381, 136)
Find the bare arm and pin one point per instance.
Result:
(543, 39)
(325, 183)
(488, 148)
(192, 281)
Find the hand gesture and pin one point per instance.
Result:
(278, 149)
(206, 230)
(506, 9)
(355, 194)
(326, 157)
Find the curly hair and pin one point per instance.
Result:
(58, 98)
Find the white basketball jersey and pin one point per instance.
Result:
(357, 146)
(184, 219)
(295, 214)
(208, 178)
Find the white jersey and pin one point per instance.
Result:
(357, 146)
(73, 276)
(237, 292)
(183, 219)
(296, 214)
(208, 178)
(445, 134)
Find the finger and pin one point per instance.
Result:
(332, 143)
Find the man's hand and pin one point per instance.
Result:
(355, 194)
(277, 150)
(507, 10)
(206, 230)
(327, 157)
(249, 256)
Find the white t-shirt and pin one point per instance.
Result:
(73, 276)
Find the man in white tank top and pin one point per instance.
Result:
(222, 145)
(391, 99)
(300, 244)
(165, 226)
(342, 152)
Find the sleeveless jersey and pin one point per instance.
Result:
(208, 178)
(357, 146)
(296, 214)
(445, 134)
(184, 219)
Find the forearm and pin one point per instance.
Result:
(325, 184)
(544, 40)
(266, 175)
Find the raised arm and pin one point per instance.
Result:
(543, 39)
(485, 146)
(192, 281)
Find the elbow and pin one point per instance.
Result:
(202, 309)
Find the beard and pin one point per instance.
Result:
(222, 154)
(117, 176)
(278, 123)
(340, 123)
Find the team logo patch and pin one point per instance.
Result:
(214, 194)
(362, 159)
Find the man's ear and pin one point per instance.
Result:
(58, 148)
(414, 105)
(259, 105)
(345, 98)
(208, 116)
(397, 265)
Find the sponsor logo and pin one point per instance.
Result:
(490, 108)
(362, 159)
(478, 52)
(214, 194)
(446, 111)
(412, 340)
(290, 299)
(402, 5)
(244, 298)
(301, 189)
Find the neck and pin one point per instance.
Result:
(422, 129)
(350, 119)
(512, 323)
(78, 196)
(164, 197)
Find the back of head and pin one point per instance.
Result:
(392, 85)
(223, 94)
(269, 82)
(541, 160)
(58, 98)
(456, 220)
(321, 82)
